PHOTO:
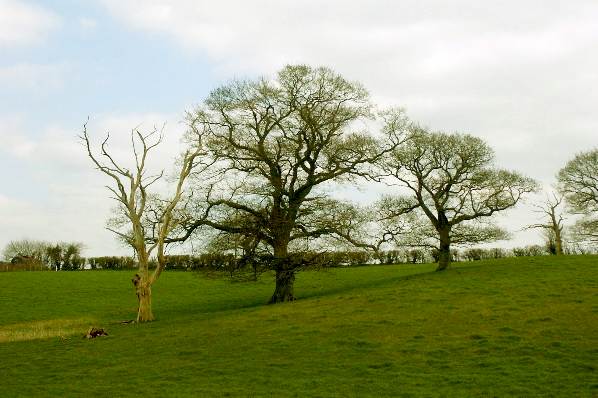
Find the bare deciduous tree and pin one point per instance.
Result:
(27, 248)
(277, 145)
(452, 178)
(146, 221)
(553, 226)
(57, 256)
(578, 183)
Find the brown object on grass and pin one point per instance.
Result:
(92, 333)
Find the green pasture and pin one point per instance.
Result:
(519, 327)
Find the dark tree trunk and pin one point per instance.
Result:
(444, 251)
(285, 270)
(285, 280)
(558, 242)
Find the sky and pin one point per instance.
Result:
(521, 75)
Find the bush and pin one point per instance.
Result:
(474, 254)
(112, 263)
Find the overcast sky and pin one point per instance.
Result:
(521, 74)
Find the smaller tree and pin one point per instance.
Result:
(144, 221)
(454, 182)
(26, 248)
(71, 256)
(54, 253)
(407, 226)
(553, 224)
(57, 256)
(578, 183)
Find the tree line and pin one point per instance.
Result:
(237, 268)
(263, 157)
(57, 256)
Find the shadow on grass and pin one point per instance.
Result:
(334, 287)
(367, 284)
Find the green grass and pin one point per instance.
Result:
(516, 327)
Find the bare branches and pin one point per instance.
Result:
(451, 174)
(281, 141)
(578, 183)
(148, 219)
(452, 178)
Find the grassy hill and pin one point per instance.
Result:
(513, 327)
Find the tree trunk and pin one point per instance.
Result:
(558, 242)
(285, 270)
(144, 299)
(285, 280)
(444, 252)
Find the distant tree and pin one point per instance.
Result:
(416, 256)
(375, 229)
(277, 146)
(54, 253)
(25, 248)
(71, 256)
(578, 183)
(144, 221)
(60, 255)
(453, 180)
(474, 254)
(553, 224)
(406, 225)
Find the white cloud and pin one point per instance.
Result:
(431, 35)
(33, 77)
(520, 75)
(88, 23)
(66, 198)
(24, 24)
(14, 142)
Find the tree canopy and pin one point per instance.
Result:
(578, 182)
(456, 185)
(276, 146)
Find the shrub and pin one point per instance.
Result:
(111, 263)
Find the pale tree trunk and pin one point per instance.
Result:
(143, 289)
(444, 252)
(144, 313)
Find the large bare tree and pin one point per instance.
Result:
(578, 182)
(144, 220)
(454, 182)
(277, 146)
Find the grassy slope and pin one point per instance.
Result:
(516, 327)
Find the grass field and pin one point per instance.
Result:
(515, 327)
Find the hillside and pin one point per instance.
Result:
(512, 327)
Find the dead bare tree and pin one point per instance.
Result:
(553, 226)
(144, 221)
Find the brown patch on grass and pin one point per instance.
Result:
(35, 330)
